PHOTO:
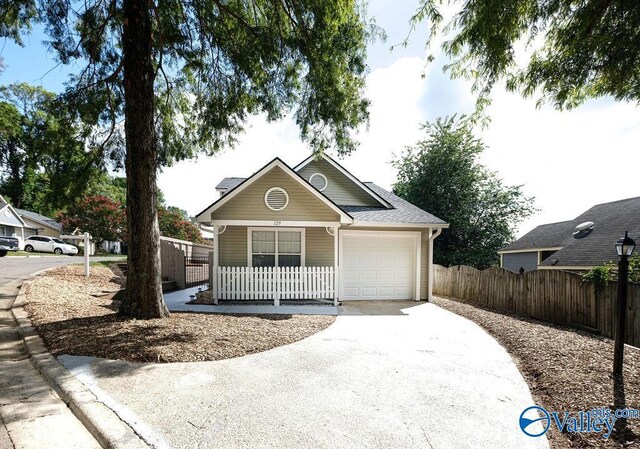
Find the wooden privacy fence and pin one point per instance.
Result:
(172, 263)
(550, 295)
(190, 249)
(275, 283)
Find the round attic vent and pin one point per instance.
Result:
(583, 229)
(319, 181)
(276, 198)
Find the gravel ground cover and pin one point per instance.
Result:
(73, 321)
(566, 369)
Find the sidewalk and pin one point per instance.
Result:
(33, 415)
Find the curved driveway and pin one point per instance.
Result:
(385, 375)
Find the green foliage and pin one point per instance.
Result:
(44, 162)
(609, 271)
(174, 224)
(441, 174)
(576, 50)
(102, 217)
(599, 276)
(216, 62)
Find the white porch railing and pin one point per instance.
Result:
(275, 283)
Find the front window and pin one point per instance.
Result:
(58, 241)
(276, 248)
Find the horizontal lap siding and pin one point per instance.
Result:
(249, 204)
(319, 248)
(340, 189)
(233, 247)
(513, 261)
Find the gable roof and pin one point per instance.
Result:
(551, 235)
(229, 183)
(402, 211)
(610, 220)
(40, 219)
(4, 204)
(277, 162)
(346, 173)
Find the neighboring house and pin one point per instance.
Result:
(39, 224)
(316, 231)
(12, 224)
(579, 244)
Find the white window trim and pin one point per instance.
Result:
(276, 229)
(320, 175)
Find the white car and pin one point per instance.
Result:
(44, 244)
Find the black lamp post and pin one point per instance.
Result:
(624, 248)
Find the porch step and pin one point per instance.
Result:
(169, 286)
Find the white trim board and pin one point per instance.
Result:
(344, 217)
(530, 250)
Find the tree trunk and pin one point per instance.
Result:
(144, 283)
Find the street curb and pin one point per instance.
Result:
(102, 422)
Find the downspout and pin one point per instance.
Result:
(432, 237)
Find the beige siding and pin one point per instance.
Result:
(232, 251)
(319, 248)
(249, 204)
(340, 189)
(233, 247)
(42, 230)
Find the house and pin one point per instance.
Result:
(39, 224)
(12, 224)
(580, 244)
(317, 232)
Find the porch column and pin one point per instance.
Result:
(214, 277)
(433, 233)
(336, 275)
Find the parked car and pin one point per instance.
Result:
(44, 244)
(8, 244)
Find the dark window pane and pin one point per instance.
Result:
(289, 260)
(264, 260)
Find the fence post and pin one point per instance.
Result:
(276, 293)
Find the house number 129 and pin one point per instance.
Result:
(277, 223)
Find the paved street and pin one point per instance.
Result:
(31, 413)
(13, 268)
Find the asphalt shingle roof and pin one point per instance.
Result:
(229, 183)
(551, 235)
(402, 212)
(610, 220)
(38, 218)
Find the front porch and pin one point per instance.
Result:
(275, 262)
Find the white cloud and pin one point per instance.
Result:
(395, 93)
(568, 160)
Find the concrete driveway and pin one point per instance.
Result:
(385, 375)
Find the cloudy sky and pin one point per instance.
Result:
(568, 161)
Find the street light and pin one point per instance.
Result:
(624, 248)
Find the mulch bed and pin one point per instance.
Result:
(566, 369)
(73, 321)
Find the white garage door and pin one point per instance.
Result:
(378, 266)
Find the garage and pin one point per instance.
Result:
(379, 265)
